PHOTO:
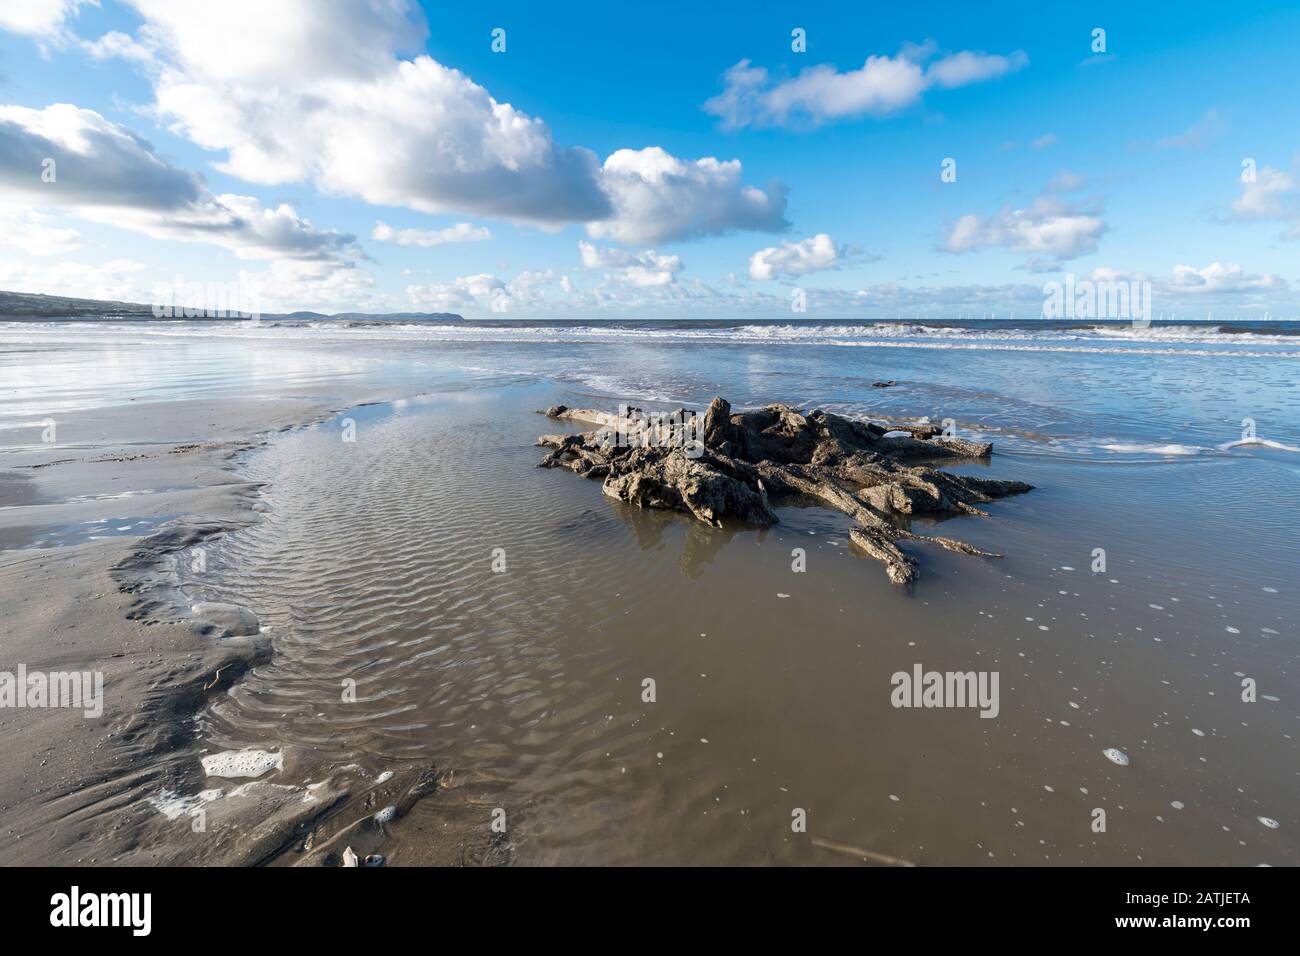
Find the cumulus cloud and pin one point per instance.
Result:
(883, 85)
(657, 197)
(1270, 195)
(399, 133)
(488, 293)
(967, 67)
(44, 19)
(118, 45)
(1221, 277)
(795, 258)
(460, 232)
(244, 226)
(96, 162)
(32, 232)
(74, 159)
(323, 93)
(118, 279)
(291, 284)
(546, 294)
(636, 268)
(447, 296)
(1048, 227)
(1208, 287)
(626, 283)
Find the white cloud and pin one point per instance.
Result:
(967, 67)
(460, 293)
(636, 268)
(118, 279)
(1221, 277)
(545, 295)
(460, 232)
(105, 173)
(1044, 141)
(657, 197)
(304, 91)
(629, 282)
(96, 162)
(30, 231)
(119, 45)
(317, 92)
(1065, 182)
(1047, 227)
(44, 19)
(795, 258)
(242, 225)
(292, 284)
(411, 133)
(1192, 288)
(883, 85)
(489, 294)
(1271, 196)
(1204, 131)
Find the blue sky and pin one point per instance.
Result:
(269, 140)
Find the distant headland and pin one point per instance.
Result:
(27, 306)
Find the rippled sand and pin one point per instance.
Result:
(524, 687)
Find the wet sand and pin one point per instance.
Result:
(518, 694)
(83, 523)
(773, 686)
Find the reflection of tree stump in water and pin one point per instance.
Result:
(701, 545)
(740, 463)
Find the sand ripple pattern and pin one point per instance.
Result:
(375, 566)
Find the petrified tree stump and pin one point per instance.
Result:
(734, 466)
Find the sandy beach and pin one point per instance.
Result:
(70, 604)
(616, 446)
(447, 633)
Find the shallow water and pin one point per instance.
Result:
(374, 564)
(1104, 390)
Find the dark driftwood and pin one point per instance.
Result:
(741, 463)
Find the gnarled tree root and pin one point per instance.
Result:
(733, 466)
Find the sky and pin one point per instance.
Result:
(515, 160)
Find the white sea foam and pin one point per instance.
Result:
(1116, 756)
(242, 763)
(173, 805)
(1263, 442)
(1138, 448)
(1172, 340)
